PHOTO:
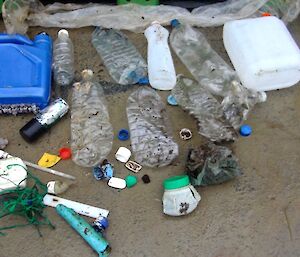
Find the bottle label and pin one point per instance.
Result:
(53, 112)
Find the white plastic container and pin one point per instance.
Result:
(162, 75)
(13, 173)
(263, 52)
(180, 197)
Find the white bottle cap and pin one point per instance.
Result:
(63, 32)
(118, 183)
(123, 154)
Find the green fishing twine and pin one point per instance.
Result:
(25, 202)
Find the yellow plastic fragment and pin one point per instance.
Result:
(48, 160)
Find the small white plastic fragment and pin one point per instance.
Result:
(117, 183)
(80, 208)
(123, 154)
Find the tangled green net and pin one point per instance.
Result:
(25, 202)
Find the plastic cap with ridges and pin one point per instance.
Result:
(176, 182)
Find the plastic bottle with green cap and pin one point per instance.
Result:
(180, 197)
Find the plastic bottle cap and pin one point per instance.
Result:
(176, 182)
(144, 81)
(65, 153)
(245, 130)
(123, 134)
(123, 154)
(63, 32)
(172, 101)
(266, 14)
(131, 181)
(175, 23)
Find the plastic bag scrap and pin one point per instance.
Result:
(211, 164)
(135, 17)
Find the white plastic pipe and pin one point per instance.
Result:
(80, 208)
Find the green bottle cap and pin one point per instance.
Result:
(176, 182)
(130, 181)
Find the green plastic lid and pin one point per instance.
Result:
(130, 181)
(176, 182)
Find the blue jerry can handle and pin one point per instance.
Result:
(15, 39)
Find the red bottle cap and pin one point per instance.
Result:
(65, 153)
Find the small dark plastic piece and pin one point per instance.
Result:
(146, 179)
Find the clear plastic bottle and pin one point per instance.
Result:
(212, 123)
(212, 72)
(162, 75)
(121, 58)
(150, 129)
(63, 59)
(91, 130)
(207, 67)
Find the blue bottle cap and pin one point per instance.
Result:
(245, 130)
(123, 135)
(171, 100)
(144, 81)
(175, 23)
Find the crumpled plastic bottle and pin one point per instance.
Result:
(212, 123)
(91, 130)
(213, 73)
(121, 58)
(211, 164)
(150, 129)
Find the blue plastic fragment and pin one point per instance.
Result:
(245, 130)
(175, 23)
(171, 100)
(123, 134)
(103, 171)
(100, 224)
(144, 81)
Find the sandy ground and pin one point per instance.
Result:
(257, 214)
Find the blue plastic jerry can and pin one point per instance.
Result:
(25, 70)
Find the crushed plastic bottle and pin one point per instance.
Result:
(121, 58)
(213, 73)
(212, 123)
(150, 129)
(91, 130)
(207, 67)
(239, 102)
(63, 59)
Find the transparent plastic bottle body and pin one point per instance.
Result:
(207, 67)
(213, 73)
(121, 58)
(63, 59)
(91, 130)
(150, 129)
(200, 103)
